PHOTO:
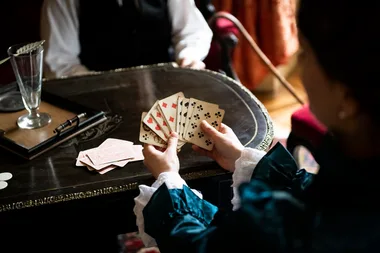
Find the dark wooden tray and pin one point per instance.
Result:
(30, 143)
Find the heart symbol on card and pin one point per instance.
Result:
(150, 120)
(158, 127)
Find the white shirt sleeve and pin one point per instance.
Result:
(59, 28)
(191, 35)
(244, 167)
(173, 181)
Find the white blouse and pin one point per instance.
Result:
(243, 173)
(191, 35)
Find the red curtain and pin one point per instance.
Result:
(272, 24)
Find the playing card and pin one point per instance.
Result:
(179, 113)
(110, 144)
(196, 113)
(194, 133)
(168, 107)
(104, 155)
(184, 108)
(106, 169)
(81, 155)
(159, 118)
(138, 154)
(112, 141)
(148, 136)
(192, 103)
(83, 160)
(87, 162)
(153, 124)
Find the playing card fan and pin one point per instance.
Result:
(177, 113)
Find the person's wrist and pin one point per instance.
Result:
(238, 152)
(166, 172)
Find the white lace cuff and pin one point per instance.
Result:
(244, 167)
(173, 181)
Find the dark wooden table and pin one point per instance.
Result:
(51, 193)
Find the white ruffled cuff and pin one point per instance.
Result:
(244, 167)
(173, 181)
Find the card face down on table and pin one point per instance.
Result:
(182, 115)
(109, 155)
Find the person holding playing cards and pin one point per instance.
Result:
(276, 206)
(83, 36)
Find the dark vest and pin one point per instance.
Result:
(113, 36)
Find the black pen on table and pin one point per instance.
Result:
(69, 122)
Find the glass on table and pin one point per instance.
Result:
(27, 68)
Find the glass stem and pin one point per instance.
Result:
(33, 113)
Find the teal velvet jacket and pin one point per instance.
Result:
(283, 209)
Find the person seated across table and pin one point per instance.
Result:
(278, 207)
(83, 36)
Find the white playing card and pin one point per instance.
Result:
(138, 154)
(168, 107)
(159, 118)
(106, 169)
(195, 134)
(153, 124)
(106, 155)
(85, 160)
(179, 113)
(81, 155)
(198, 109)
(192, 103)
(148, 136)
(114, 141)
(185, 106)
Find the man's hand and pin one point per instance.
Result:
(189, 63)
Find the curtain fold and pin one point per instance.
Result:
(272, 24)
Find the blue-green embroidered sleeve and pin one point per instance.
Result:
(279, 170)
(267, 221)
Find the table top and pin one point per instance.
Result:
(123, 95)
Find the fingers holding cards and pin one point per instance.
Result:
(184, 116)
(196, 135)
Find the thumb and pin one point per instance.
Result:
(210, 130)
(172, 143)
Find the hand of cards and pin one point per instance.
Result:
(182, 115)
(112, 153)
